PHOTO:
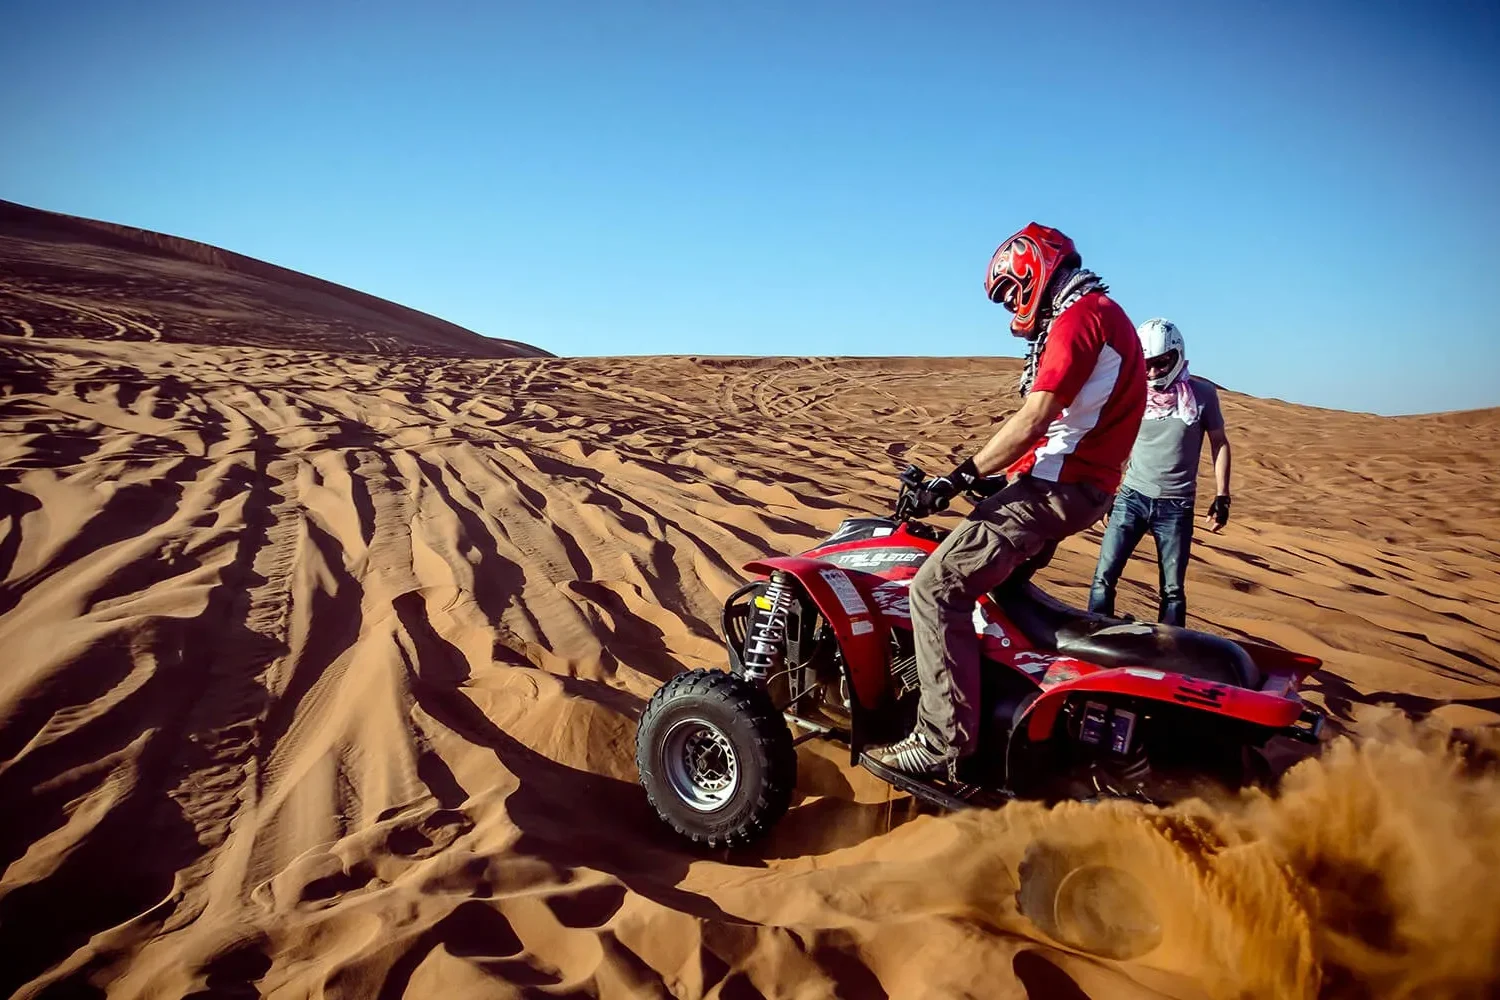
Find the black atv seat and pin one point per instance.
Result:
(1052, 626)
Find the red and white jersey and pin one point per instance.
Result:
(1092, 361)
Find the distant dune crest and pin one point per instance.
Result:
(68, 276)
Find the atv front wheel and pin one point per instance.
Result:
(715, 757)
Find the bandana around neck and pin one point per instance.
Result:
(1069, 287)
(1176, 400)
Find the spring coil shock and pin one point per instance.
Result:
(765, 644)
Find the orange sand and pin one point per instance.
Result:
(325, 624)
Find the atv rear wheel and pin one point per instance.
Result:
(715, 757)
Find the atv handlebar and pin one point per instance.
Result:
(911, 481)
(913, 478)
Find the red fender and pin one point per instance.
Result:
(1255, 707)
(1273, 660)
(852, 613)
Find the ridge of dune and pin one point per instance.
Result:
(62, 269)
(322, 668)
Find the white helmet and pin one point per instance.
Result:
(1166, 355)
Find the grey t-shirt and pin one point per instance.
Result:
(1164, 462)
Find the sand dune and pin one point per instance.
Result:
(323, 655)
(62, 276)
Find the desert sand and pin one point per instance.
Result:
(324, 626)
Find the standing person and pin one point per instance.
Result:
(1085, 389)
(1162, 479)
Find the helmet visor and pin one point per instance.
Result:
(1161, 365)
(1007, 292)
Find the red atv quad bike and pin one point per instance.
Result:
(1074, 705)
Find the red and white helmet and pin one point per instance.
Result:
(1021, 269)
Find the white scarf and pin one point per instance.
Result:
(1176, 400)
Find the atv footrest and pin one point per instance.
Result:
(938, 792)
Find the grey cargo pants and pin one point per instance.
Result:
(1002, 533)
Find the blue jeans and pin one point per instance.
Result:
(1171, 524)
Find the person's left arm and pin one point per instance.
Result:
(1217, 514)
(1067, 361)
(1218, 443)
(1018, 434)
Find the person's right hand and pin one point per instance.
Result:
(985, 487)
(933, 496)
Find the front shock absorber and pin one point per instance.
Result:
(765, 644)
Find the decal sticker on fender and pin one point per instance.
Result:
(844, 591)
(892, 599)
(1203, 694)
(1060, 672)
(861, 627)
(874, 560)
(983, 626)
(1034, 663)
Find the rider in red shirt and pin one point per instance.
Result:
(1064, 451)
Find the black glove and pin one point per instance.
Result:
(933, 496)
(985, 487)
(1218, 512)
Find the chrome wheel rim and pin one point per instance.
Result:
(701, 764)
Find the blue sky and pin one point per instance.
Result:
(1308, 190)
